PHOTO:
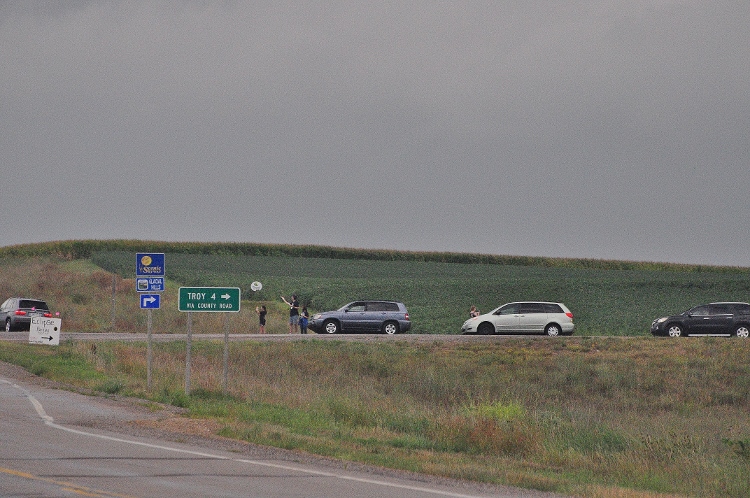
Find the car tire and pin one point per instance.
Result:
(485, 329)
(742, 331)
(390, 328)
(331, 327)
(8, 328)
(552, 330)
(675, 330)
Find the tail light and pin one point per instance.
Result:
(47, 315)
(20, 312)
(406, 316)
(569, 315)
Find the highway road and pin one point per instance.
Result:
(23, 336)
(57, 443)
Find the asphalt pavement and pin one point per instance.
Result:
(58, 443)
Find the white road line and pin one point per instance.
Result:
(51, 423)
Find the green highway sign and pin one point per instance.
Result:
(210, 299)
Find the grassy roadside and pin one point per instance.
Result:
(604, 300)
(618, 417)
(600, 418)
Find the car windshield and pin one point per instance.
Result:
(29, 304)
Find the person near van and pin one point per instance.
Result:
(473, 312)
(293, 313)
(304, 316)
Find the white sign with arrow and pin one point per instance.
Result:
(45, 331)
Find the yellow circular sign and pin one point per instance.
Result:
(146, 260)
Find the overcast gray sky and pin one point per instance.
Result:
(584, 129)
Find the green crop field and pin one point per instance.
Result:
(438, 294)
(606, 297)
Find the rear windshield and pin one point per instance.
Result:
(31, 303)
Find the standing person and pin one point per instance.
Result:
(293, 313)
(261, 318)
(303, 317)
(473, 312)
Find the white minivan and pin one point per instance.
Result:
(524, 317)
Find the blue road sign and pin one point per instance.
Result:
(153, 284)
(150, 301)
(149, 264)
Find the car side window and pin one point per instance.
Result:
(552, 308)
(508, 309)
(742, 309)
(700, 311)
(528, 308)
(720, 309)
(377, 307)
(356, 307)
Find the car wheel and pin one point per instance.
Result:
(742, 331)
(331, 327)
(7, 324)
(485, 329)
(675, 330)
(390, 328)
(552, 330)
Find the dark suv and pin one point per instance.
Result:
(706, 319)
(16, 312)
(387, 317)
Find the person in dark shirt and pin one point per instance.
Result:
(293, 314)
(303, 318)
(261, 318)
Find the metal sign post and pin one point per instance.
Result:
(188, 349)
(226, 353)
(208, 300)
(148, 353)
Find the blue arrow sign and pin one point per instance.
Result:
(150, 301)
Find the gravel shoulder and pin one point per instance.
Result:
(164, 423)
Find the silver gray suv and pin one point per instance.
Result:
(524, 317)
(16, 312)
(387, 317)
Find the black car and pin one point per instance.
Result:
(387, 317)
(706, 319)
(16, 312)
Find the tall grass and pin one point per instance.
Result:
(85, 249)
(606, 418)
(82, 293)
(605, 301)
